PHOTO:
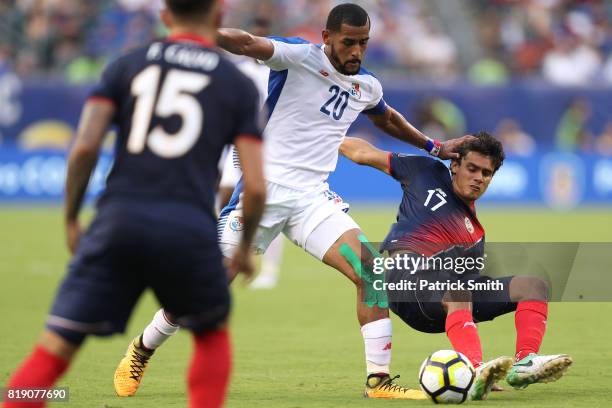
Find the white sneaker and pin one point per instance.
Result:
(487, 375)
(538, 369)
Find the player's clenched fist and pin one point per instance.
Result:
(242, 262)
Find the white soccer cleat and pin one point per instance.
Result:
(538, 369)
(487, 375)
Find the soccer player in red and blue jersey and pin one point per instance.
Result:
(437, 219)
(177, 103)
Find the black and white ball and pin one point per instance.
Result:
(446, 376)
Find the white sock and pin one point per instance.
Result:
(271, 259)
(158, 331)
(377, 339)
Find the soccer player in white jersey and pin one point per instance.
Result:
(315, 93)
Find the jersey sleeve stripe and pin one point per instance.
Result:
(276, 84)
(101, 99)
(289, 40)
(379, 109)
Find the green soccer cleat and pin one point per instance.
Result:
(538, 369)
(487, 375)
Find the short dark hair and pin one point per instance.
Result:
(189, 8)
(348, 13)
(486, 145)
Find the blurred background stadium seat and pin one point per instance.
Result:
(538, 73)
(567, 42)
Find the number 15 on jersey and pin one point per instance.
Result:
(175, 98)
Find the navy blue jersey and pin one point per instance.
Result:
(178, 103)
(431, 218)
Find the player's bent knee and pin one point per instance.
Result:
(457, 296)
(203, 330)
(360, 262)
(62, 342)
(540, 288)
(526, 288)
(362, 273)
(353, 271)
(455, 300)
(72, 337)
(211, 320)
(451, 307)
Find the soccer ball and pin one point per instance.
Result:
(446, 376)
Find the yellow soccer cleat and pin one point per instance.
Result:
(131, 368)
(382, 386)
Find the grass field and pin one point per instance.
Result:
(299, 345)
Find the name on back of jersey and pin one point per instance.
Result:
(184, 55)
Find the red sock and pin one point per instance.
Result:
(209, 373)
(462, 333)
(530, 321)
(41, 370)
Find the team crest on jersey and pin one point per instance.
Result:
(324, 73)
(237, 224)
(337, 200)
(356, 91)
(469, 226)
(332, 196)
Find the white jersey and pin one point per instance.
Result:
(311, 107)
(258, 73)
(229, 165)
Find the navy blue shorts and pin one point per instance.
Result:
(169, 247)
(422, 308)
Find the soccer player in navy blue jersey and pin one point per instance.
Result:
(437, 220)
(177, 103)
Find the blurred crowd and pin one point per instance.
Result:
(442, 119)
(73, 39)
(568, 42)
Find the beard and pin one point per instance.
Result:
(342, 67)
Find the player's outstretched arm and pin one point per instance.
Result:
(362, 152)
(94, 123)
(395, 124)
(241, 42)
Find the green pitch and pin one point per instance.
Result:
(298, 345)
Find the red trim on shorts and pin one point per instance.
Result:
(248, 136)
(389, 163)
(103, 99)
(205, 42)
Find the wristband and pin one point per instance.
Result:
(433, 147)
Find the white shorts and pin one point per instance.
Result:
(231, 171)
(313, 219)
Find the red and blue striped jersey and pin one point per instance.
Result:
(431, 219)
